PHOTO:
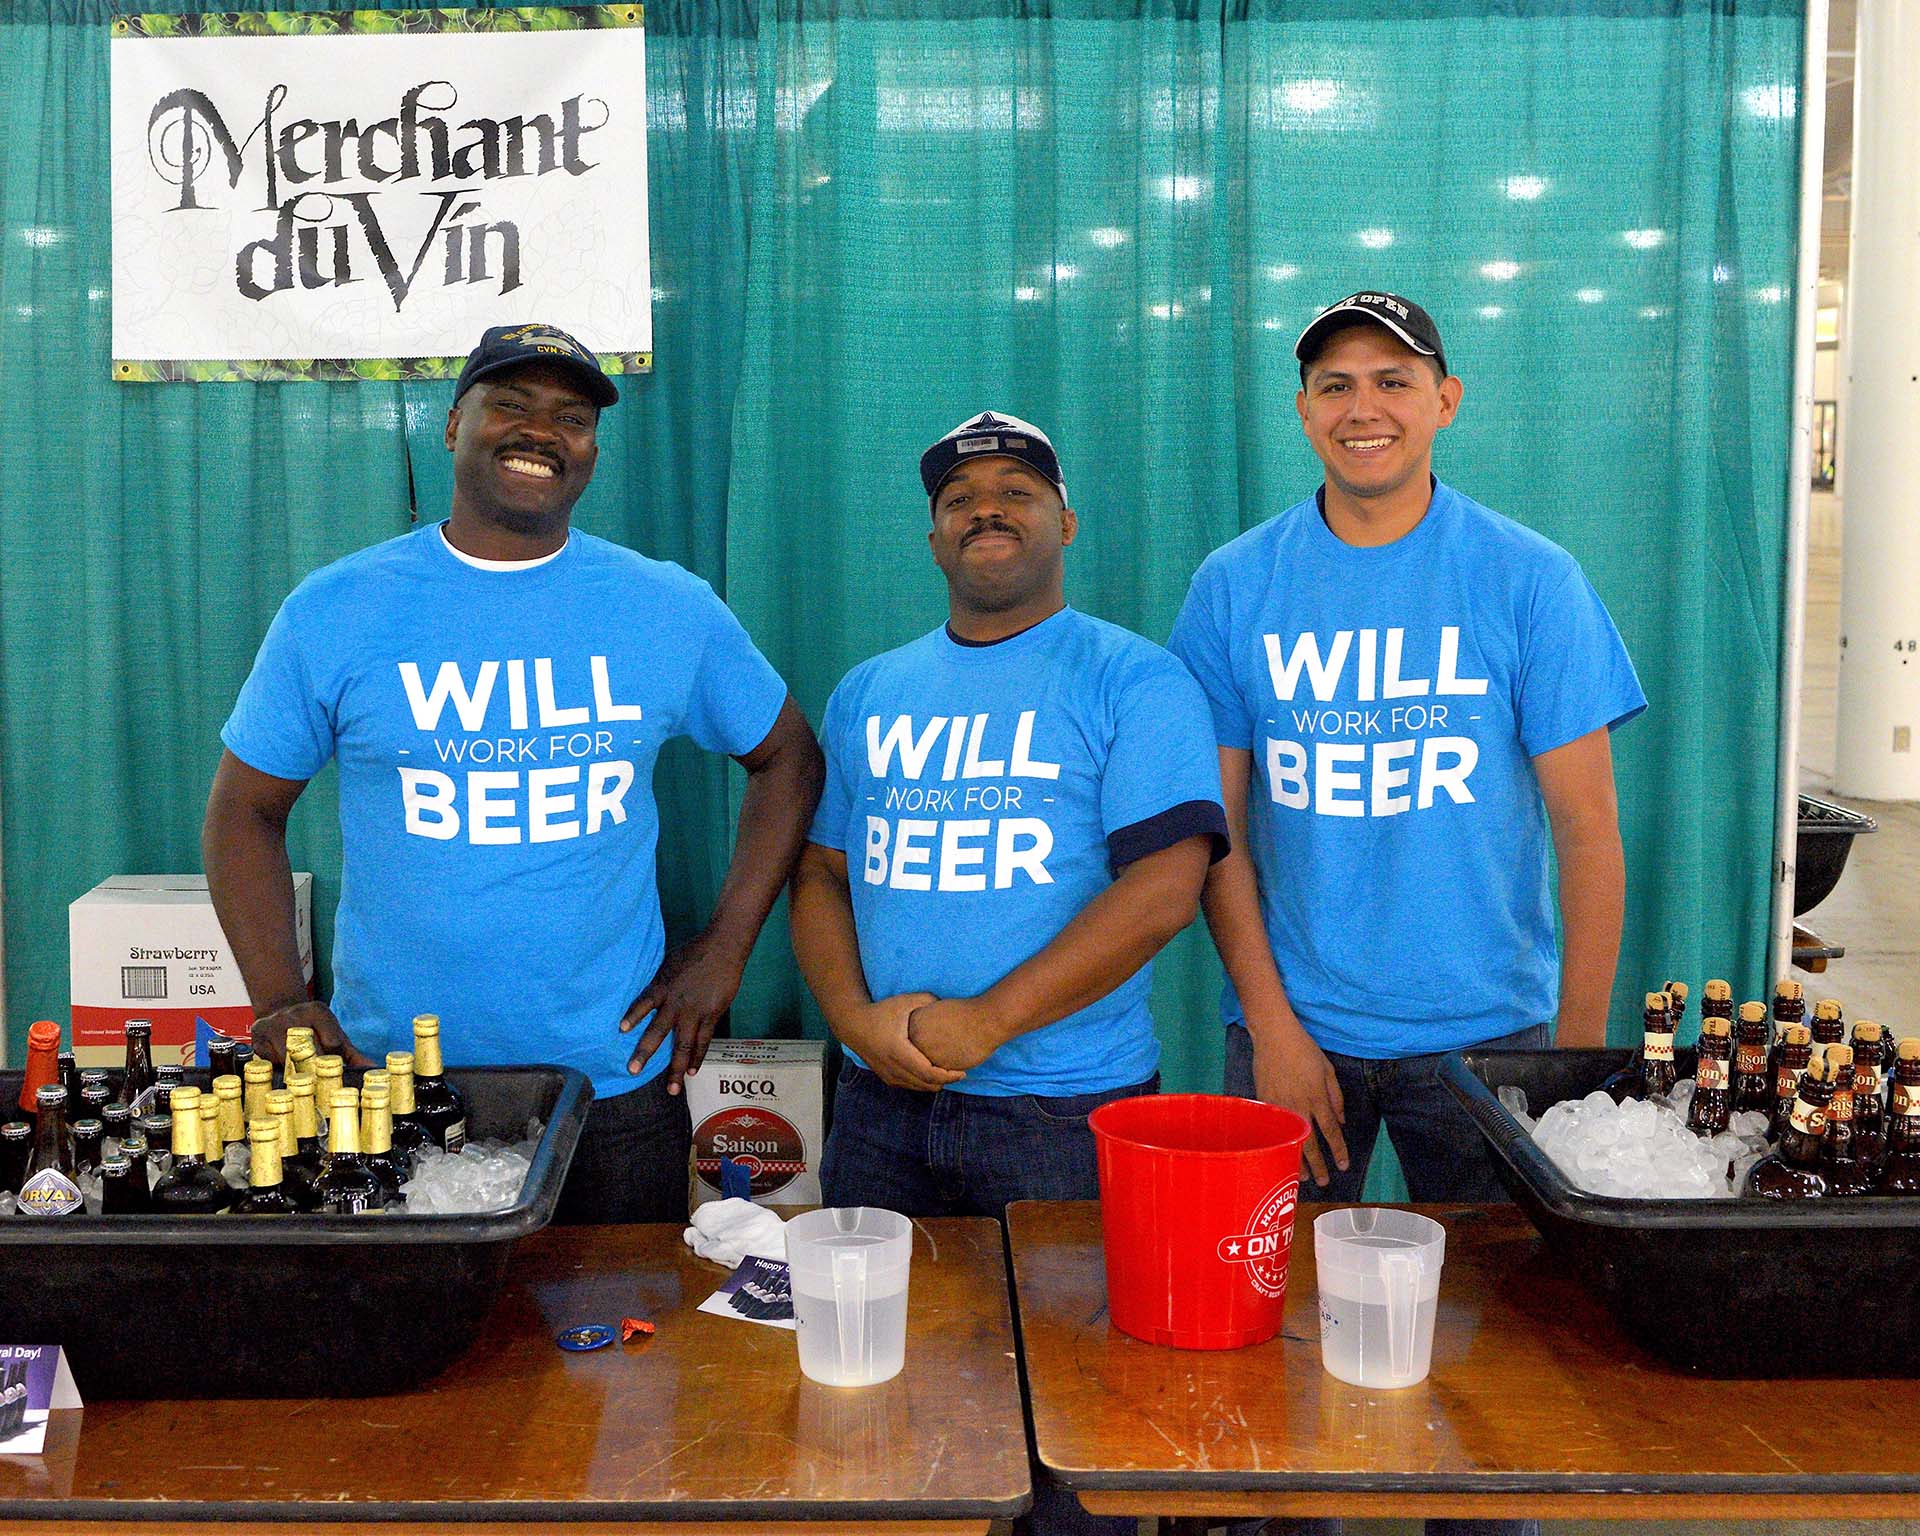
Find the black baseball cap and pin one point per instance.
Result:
(509, 346)
(1403, 317)
(989, 434)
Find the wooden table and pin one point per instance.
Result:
(708, 1425)
(1537, 1404)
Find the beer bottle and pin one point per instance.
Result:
(16, 1147)
(94, 1098)
(1901, 1175)
(220, 1057)
(1677, 994)
(300, 1054)
(89, 1143)
(329, 1073)
(43, 1065)
(1656, 1048)
(296, 1180)
(1793, 1172)
(1828, 1026)
(123, 1186)
(136, 1086)
(1791, 1054)
(1789, 1004)
(376, 1137)
(51, 1187)
(134, 1150)
(266, 1192)
(437, 1104)
(233, 1122)
(157, 1132)
(166, 1078)
(347, 1186)
(1716, 1002)
(70, 1077)
(256, 1078)
(1752, 1079)
(213, 1146)
(306, 1133)
(1846, 1174)
(1869, 1108)
(1712, 1102)
(192, 1186)
(118, 1120)
(409, 1135)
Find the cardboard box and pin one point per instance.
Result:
(149, 947)
(760, 1102)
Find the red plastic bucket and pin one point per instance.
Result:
(1197, 1192)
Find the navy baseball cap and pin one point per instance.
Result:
(1403, 317)
(509, 346)
(990, 434)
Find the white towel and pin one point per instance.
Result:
(726, 1231)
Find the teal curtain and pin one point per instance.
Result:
(871, 220)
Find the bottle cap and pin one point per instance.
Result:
(1826, 1008)
(426, 1024)
(20, 1130)
(1839, 1056)
(1910, 1048)
(43, 1035)
(116, 1165)
(1752, 1013)
(1867, 1030)
(258, 1070)
(264, 1130)
(226, 1086)
(344, 1099)
(1817, 1066)
(1678, 991)
(1657, 1001)
(374, 1080)
(1789, 988)
(186, 1098)
(1719, 992)
(586, 1336)
(399, 1061)
(1718, 1028)
(279, 1102)
(1798, 1034)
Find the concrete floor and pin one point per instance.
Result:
(1874, 912)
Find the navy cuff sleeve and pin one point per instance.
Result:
(1191, 818)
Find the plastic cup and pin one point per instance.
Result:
(1197, 1192)
(1379, 1291)
(848, 1269)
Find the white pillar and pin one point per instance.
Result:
(1878, 750)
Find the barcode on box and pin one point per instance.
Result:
(143, 983)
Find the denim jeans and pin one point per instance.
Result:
(1441, 1151)
(969, 1154)
(958, 1154)
(1443, 1156)
(631, 1163)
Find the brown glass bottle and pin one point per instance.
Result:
(256, 1079)
(220, 1058)
(347, 1187)
(1901, 1173)
(409, 1135)
(1793, 1172)
(227, 1093)
(1869, 1107)
(1716, 1001)
(136, 1084)
(123, 1186)
(89, 1138)
(43, 1065)
(1791, 1052)
(1712, 1102)
(266, 1191)
(1829, 1026)
(294, 1178)
(70, 1077)
(1677, 994)
(437, 1104)
(51, 1187)
(1752, 1077)
(306, 1132)
(329, 1077)
(1840, 1161)
(16, 1146)
(376, 1137)
(1789, 1004)
(192, 1186)
(213, 1146)
(1657, 1075)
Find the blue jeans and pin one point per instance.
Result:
(1443, 1156)
(969, 1154)
(1441, 1151)
(958, 1154)
(631, 1163)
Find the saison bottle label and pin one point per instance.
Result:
(50, 1193)
(1749, 1060)
(1808, 1119)
(1711, 1073)
(1906, 1099)
(1657, 1046)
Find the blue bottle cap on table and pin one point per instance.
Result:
(586, 1336)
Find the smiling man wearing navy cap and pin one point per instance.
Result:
(496, 689)
(1412, 697)
(1020, 810)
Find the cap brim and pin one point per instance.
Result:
(1348, 316)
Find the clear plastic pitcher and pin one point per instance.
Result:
(849, 1274)
(1379, 1291)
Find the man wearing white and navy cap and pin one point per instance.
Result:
(1412, 698)
(1020, 810)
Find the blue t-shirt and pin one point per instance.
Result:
(496, 732)
(1392, 700)
(984, 794)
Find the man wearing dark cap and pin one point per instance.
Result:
(1020, 810)
(1412, 697)
(495, 689)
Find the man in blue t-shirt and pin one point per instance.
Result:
(495, 690)
(1412, 697)
(1020, 810)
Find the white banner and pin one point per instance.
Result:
(360, 194)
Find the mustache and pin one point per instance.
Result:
(996, 526)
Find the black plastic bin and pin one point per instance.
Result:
(1719, 1287)
(1822, 840)
(284, 1306)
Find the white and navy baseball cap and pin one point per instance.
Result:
(990, 434)
(1403, 317)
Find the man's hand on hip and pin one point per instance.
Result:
(877, 1034)
(1293, 1072)
(688, 996)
